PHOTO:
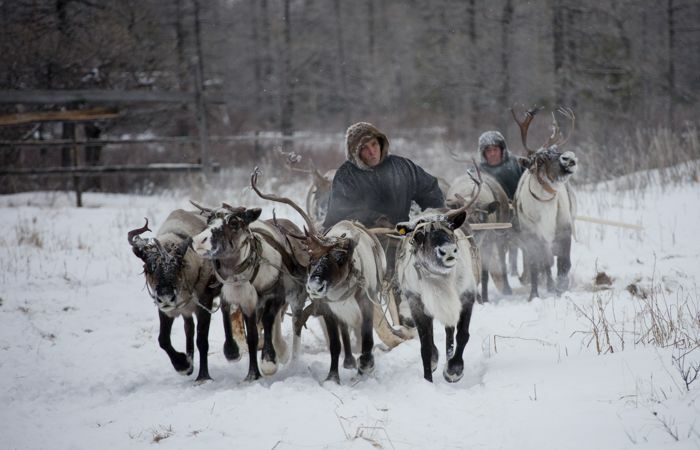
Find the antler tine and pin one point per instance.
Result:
(202, 208)
(274, 198)
(133, 233)
(569, 114)
(555, 137)
(525, 123)
(291, 159)
(475, 192)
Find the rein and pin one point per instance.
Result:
(545, 185)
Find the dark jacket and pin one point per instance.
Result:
(367, 193)
(507, 173)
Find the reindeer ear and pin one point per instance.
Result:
(456, 221)
(252, 214)
(182, 248)
(492, 207)
(524, 162)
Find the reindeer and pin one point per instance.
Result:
(319, 193)
(491, 206)
(544, 204)
(344, 278)
(259, 273)
(437, 269)
(181, 284)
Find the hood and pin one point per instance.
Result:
(356, 136)
(489, 138)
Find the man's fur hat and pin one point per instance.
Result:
(356, 136)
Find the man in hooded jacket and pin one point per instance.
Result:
(497, 162)
(376, 188)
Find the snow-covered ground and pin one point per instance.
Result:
(80, 365)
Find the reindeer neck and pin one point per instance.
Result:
(541, 187)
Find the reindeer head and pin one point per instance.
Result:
(330, 258)
(228, 230)
(549, 162)
(163, 267)
(432, 237)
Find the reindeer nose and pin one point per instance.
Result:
(447, 253)
(316, 287)
(568, 159)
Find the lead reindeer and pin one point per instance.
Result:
(344, 278)
(544, 204)
(437, 269)
(182, 284)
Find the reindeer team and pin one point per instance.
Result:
(262, 267)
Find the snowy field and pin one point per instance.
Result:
(600, 367)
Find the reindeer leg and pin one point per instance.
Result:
(348, 360)
(203, 321)
(484, 285)
(501, 252)
(251, 326)
(268, 358)
(449, 341)
(563, 260)
(179, 360)
(366, 363)
(189, 338)
(424, 324)
(231, 351)
(454, 369)
(333, 344)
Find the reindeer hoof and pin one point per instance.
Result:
(334, 377)
(201, 379)
(562, 284)
(183, 364)
(350, 362)
(252, 376)
(231, 351)
(454, 371)
(268, 367)
(366, 365)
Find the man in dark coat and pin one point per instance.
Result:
(497, 162)
(376, 188)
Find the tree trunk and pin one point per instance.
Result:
(341, 64)
(287, 107)
(671, 74)
(504, 95)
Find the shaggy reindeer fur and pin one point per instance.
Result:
(181, 284)
(255, 264)
(347, 281)
(435, 272)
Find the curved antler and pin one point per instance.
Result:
(569, 114)
(285, 200)
(525, 124)
(133, 233)
(202, 209)
(475, 192)
(456, 156)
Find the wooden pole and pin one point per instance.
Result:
(75, 163)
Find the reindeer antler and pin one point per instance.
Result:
(313, 239)
(478, 181)
(133, 233)
(569, 114)
(202, 209)
(525, 124)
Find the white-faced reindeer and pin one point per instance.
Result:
(344, 278)
(256, 266)
(181, 284)
(437, 270)
(319, 193)
(544, 204)
(490, 206)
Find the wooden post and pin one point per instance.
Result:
(76, 163)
